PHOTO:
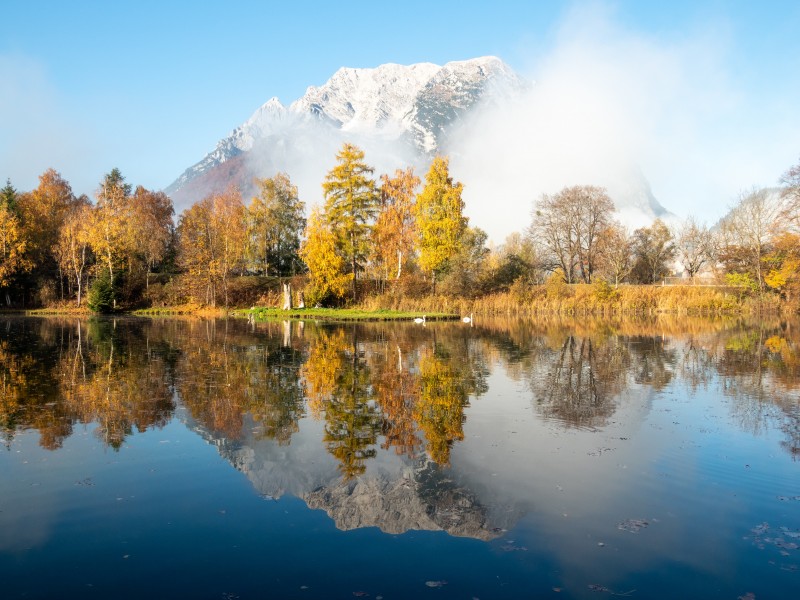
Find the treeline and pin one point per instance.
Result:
(392, 235)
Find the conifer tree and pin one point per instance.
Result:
(351, 201)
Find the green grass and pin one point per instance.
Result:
(340, 314)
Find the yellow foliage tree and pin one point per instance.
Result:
(72, 246)
(12, 247)
(326, 267)
(439, 218)
(150, 229)
(108, 232)
(43, 211)
(211, 241)
(784, 262)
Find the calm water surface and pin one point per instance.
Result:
(202, 459)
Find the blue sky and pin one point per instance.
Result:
(151, 86)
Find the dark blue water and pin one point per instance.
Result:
(189, 459)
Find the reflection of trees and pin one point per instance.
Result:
(339, 385)
(397, 391)
(225, 374)
(109, 378)
(407, 385)
(448, 375)
(760, 371)
(581, 381)
(440, 408)
(363, 386)
(54, 373)
(652, 362)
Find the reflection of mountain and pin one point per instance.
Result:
(396, 494)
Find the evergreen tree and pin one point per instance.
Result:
(8, 196)
(351, 201)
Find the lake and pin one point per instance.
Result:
(182, 458)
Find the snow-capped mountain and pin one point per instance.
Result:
(402, 116)
(408, 105)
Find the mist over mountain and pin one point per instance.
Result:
(472, 111)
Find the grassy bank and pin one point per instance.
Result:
(597, 300)
(342, 314)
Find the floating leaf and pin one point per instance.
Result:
(632, 525)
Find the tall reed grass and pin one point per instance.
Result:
(598, 300)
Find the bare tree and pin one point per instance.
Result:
(654, 249)
(694, 246)
(569, 225)
(616, 252)
(791, 195)
(748, 230)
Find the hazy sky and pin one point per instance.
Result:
(704, 94)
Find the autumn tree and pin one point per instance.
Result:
(351, 202)
(72, 249)
(653, 249)
(13, 258)
(109, 228)
(783, 265)
(275, 222)
(694, 245)
(466, 273)
(42, 212)
(569, 226)
(514, 260)
(211, 241)
(150, 229)
(395, 228)
(326, 267)
(439, 217)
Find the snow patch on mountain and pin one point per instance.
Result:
(391, 102)
(509, 141)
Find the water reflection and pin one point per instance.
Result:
(364, 421)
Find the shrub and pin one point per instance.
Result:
(101, 294)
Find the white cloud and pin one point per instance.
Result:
(609, 103)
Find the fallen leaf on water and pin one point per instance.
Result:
(632, 525)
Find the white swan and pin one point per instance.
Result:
(420, 320)
(467, 319)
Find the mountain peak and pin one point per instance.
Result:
(414, 103)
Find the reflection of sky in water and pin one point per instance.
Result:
(660, 492)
